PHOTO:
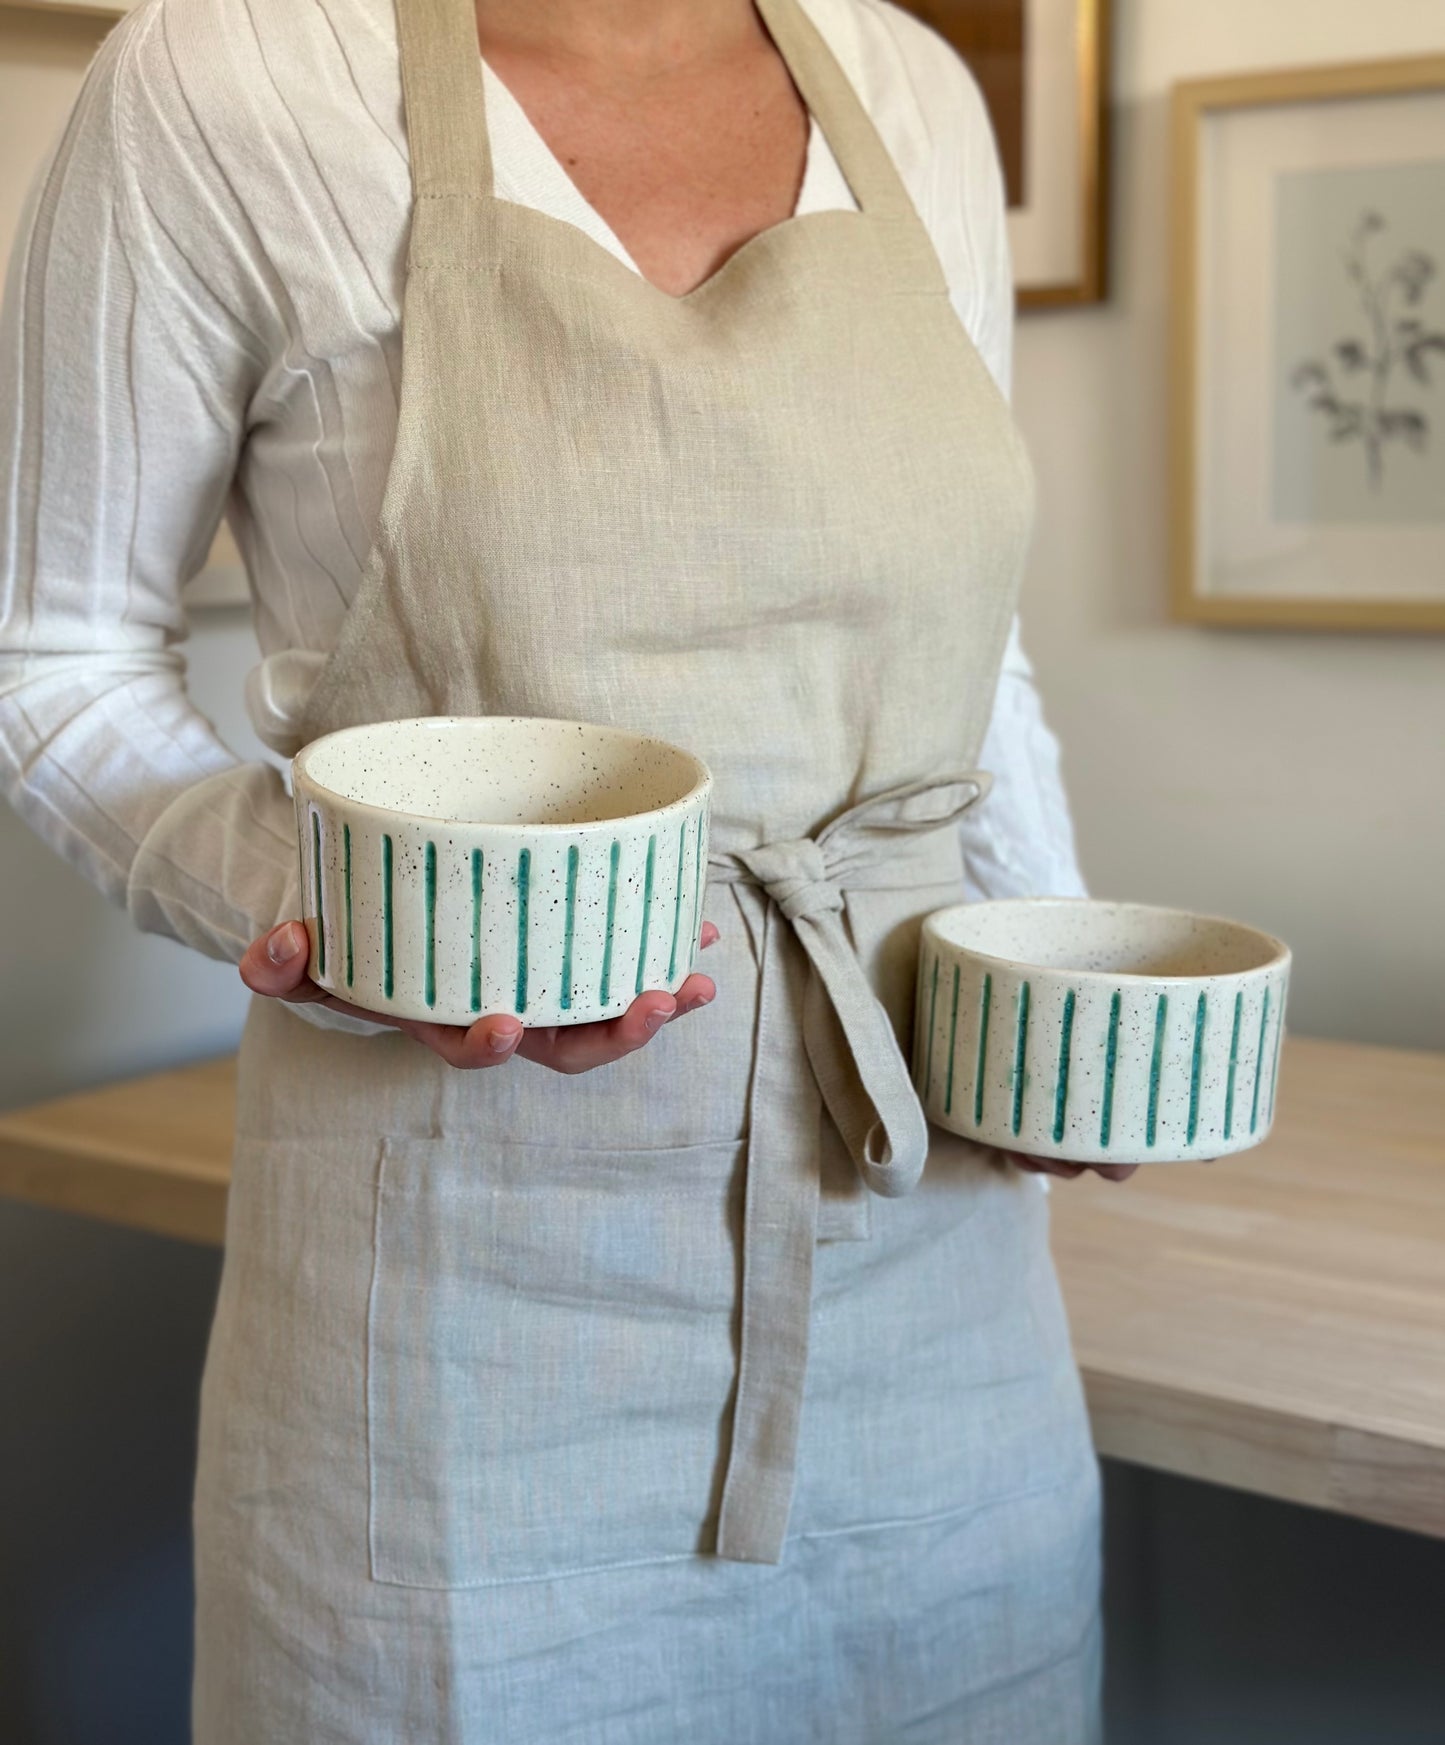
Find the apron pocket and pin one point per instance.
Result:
(550, 1356)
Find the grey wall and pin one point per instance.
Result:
(1234, 1620)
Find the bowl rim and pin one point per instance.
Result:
(365, 808)
(1281, 958)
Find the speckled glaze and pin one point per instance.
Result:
(1099, 1032)
(453, 866)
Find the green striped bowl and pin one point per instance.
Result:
(1098, 1032)
(458, 865)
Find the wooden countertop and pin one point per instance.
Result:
(1274, 1322)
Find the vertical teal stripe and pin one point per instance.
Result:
(1259, 1060)
(677, 901)
(916, 1056)
(697, 874)
(1111, 1057)
(646, 910)
(1156, 1064)
(1278, 1039)
(1061, 1090)
(1233, 1062)
(573, 856)
(388, 979)
(611, 912)
(982, 1050)
(346, 842)
(476, 929)
(952, 1033)
(524, 879)
(431, 923)
(320, 911)
(932, 1009)
(1199, 1013)
(1019, 1049)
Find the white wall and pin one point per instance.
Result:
(1295, 780)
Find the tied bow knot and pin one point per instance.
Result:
(849, 1038)
(809, 969)
(794, 874)
(889, 841)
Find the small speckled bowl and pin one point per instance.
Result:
(459, 865)
(1098, 1032)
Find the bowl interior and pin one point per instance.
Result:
(501, 769)
(1081, 935)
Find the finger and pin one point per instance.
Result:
(1114, 1172)
(491, 1041)
(696, 991)
(574, 1048)
(1047, 1165)
(708, 934)
(277, 962)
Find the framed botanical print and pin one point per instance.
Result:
(1308, 347)
(1043, 68)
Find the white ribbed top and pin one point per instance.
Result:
(202, 315)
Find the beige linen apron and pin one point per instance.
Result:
(664, 1401)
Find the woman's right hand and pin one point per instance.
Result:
(276, 965)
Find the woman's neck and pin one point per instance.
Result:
(644, 38)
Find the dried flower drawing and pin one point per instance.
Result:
(1350, 386)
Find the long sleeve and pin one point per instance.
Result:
(125, 376)
(1020, 840)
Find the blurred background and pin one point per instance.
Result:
(1317, 815)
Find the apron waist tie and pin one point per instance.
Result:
(860, 1074)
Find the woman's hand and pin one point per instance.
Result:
(1113, 1172)
(277, 962)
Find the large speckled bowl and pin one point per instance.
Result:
(1099, 1032)
(459, 865)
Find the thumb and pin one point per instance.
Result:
(277, 962)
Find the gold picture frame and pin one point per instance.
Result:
(1247, 160)
(1044, 69)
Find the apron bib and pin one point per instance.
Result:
(507, 1326)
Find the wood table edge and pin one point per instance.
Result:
(48, 1159)
(134, 1192)
(1393, 1480)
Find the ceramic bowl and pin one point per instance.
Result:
(1098, 1032)
(458, 865)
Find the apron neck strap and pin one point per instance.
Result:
(446, 116)
(441, 82)
(849, 130)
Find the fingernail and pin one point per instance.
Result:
(284, 945)
(655, 1021)
(502, 1039)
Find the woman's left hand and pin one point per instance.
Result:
(1113, 1172)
